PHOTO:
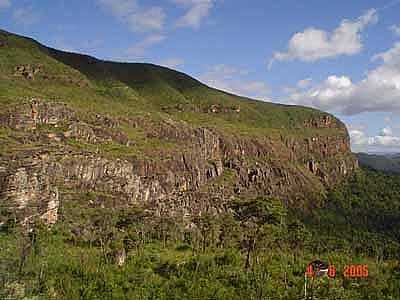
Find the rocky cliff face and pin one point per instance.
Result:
(203, 170)
(141, 134)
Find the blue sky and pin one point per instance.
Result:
(339, 56)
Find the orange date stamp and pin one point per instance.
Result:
(319, 268)
(356, 271)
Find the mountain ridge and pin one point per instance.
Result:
(148, 135)
(389, 163)
(75, 60)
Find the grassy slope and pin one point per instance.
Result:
(137, 89)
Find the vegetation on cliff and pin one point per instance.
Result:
(177, 137)
(134, 181)
(258, 251)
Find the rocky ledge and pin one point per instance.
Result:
(204, 170)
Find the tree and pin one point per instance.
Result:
(297, 237)
(260, 219)
(230, 232)
(206, 226)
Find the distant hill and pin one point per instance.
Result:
(381, 162)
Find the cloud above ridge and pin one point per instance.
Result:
(197, 11)
(314, 44)
(379, 90)
(136, 17)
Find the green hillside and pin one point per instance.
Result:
(134, 89)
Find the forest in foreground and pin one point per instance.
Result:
(258, 250)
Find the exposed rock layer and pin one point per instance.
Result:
(203, 173)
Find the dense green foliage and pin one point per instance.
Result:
(258, 251)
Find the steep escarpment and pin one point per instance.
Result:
(137, 134)
(184, 169)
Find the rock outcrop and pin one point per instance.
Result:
(27, 71)
(205, 170)
(34, 112)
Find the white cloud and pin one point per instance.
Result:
(5, 4)
(384, 140)
(387, 119)
(387, 131)
(395, 29)
(304, 83)
(233, 80)
(197, 11)
(358, 138)
(378, 91)
(357, 126)
(173, 63)
(314, 44)
(141, 47)
(136, 17)
(25, 16)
